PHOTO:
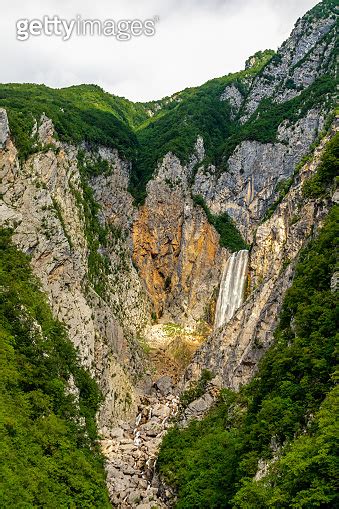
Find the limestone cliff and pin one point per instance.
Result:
(43, 201)
(255, 171)
(233, 353)
(305, 55)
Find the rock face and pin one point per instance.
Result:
(233, 352)
(234, 97)
(41, 201)
(4, 127)
(255, 171)
(305, 55)
(127, 298)
(164, 385)
(175, 248)
(44, 203)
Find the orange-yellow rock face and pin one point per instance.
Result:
(178, 256)
(156, 249)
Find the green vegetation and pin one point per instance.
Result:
(82, 113)
(259, 58)
(59, 215)
(289, 409)
(318, 185)
(196, 390)
(184, 116)
(322, 10)
(327, 171)
(87, 113)
(97, 235)
(306, 474)
(48, 452)
(230, 236)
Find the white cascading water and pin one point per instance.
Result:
(232, 287)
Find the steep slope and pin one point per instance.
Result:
(182, 118)
(79, 113)
(81, 259)
(48, 451)
(175, 248)
(286, 106)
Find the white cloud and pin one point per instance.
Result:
(196, 40)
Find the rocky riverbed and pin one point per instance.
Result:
(132, 449)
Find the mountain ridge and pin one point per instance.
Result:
(144, 132)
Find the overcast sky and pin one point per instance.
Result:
(195, 40)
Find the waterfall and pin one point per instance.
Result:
(232, 286)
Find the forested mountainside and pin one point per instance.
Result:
(185, 253)
(49, 456)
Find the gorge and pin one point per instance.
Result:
(166, 275)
